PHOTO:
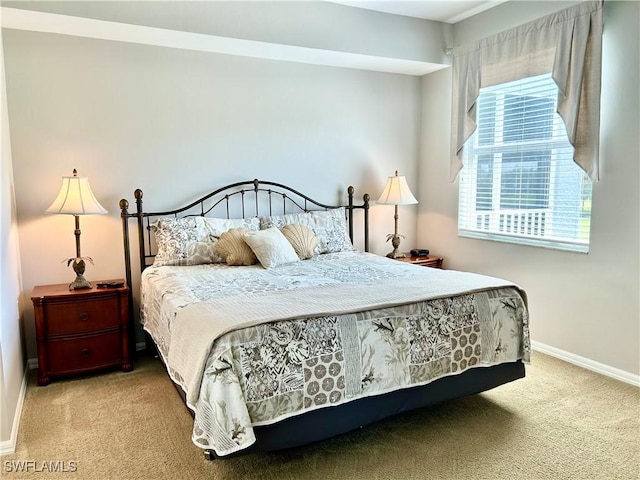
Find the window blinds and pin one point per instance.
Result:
(520, 182)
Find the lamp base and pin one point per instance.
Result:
(395, 241)
(80, 282)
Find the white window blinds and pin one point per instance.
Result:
(520, 183)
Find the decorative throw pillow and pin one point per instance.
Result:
(330, 227)
(191, 240)
(217, 226)
(182, 241)
(271, 247)
(301, 238)
(233, 249)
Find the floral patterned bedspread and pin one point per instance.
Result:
(260, 374)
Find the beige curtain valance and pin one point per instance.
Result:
(567, 44)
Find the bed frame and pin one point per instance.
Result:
(255, 198)
(250, 198)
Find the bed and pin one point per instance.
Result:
(273, 350)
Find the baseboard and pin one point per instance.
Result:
(9, 446)
(583, 362)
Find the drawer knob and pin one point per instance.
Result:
(85, 352)
(84, 316)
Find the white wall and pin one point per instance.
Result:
(312, 24)
(178, 123)
(12, 363)
(130, 116)
(587, 305)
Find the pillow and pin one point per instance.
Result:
(329, 226)
(218, 226)
(271, 247)
(233, 249)
(301, 238)
(182, 241)
(191, 240)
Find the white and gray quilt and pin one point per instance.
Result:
(251, 346)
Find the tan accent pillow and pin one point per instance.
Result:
(233, 249)
(301, 238)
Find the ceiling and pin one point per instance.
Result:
(448, 11)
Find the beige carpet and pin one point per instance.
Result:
(560, 422)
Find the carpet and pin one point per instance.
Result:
(560, 422)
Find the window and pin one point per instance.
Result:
(520, 183)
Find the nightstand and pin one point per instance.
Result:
(432, 261)
(80, 331)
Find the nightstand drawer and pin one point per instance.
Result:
(85, 353)
(79, 317)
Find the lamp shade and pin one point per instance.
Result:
(397, 192)
(76, 198)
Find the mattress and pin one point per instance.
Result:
(252, 346)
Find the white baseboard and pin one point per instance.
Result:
(8, 447)
(583, 362)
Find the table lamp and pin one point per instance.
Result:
(396, 192)
(76, 198)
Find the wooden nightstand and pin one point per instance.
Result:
(81, 330)
(428, 261)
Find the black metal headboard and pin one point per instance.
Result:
(250, 198)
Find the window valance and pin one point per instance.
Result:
(567, 44)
